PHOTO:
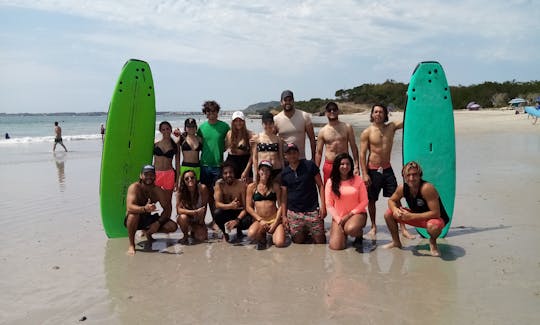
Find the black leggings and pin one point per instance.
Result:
(221, 217)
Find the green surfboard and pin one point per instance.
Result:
(429, 135)
(128, 144)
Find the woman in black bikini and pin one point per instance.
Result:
(268, 146)
(263, 203)
(165, 150)
(190, 145)
(238, 148)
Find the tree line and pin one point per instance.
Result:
(394, 94)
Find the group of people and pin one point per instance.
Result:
(267, 187)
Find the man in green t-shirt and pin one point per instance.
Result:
(213, 134)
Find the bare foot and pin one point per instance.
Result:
(131, 250)
(405, 233)
(372, 234)
(391, 245)
(434, 249)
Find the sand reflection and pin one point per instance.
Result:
(59, 160)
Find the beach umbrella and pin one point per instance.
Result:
(517, 101)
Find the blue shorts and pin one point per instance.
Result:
(209, 176)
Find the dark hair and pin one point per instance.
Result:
(210, 104)
(228, 164)
(164, 123)
(335, 176)
(55, 122)
(331, 104)
(184, 196)
(384, 109)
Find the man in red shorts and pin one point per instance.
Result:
(425, 207)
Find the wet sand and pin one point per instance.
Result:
(58, 266)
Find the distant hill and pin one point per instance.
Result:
(260, 107)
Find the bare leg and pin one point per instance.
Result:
(278, 237)
(434, 233)
(372, 212)
(406, 232)
(132, 222)
(355, 225)
(393, 228)
(183, 222)
(337, 237)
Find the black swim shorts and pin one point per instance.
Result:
(385, 181)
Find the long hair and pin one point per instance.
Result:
(184, 196)
(335, 176)
(270, 179)
(169, 125)
(239, 135)
(384, 109)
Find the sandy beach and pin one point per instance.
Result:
(58, 267)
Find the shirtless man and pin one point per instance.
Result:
(293, 125)
(377, 172)
(425, 208)
(230, 198)
(141, 200)
(58, 137)
(336, 136)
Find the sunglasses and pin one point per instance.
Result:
(188, 178)
(332, 109)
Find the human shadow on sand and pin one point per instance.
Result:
(464, 230)
(448, 252)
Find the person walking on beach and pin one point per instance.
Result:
(238, 147)
(191, 203)
(263, 203)
(58, 136)
(102, 131)
(335, 137)
(212, 133)
(141, 200)
(346, 201)
(293, 124)
(230, 198)
(300, 181)
(425, 207)
(377, 172)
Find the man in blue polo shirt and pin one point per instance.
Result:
(300, 181)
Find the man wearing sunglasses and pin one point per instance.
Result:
(335, 137)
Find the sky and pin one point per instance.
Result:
(66, 55)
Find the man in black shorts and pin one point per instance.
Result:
(141, 200)
(377, 139)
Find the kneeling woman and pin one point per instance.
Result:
(191, 203)
(263, 203)
(346, 200)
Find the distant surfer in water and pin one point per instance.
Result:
(425, 208)
(377, 172)
(58, 137)
(141, 200)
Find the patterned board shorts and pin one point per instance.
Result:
(311, 221)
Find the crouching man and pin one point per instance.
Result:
(141, 200)
(425, 207)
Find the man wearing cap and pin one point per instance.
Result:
(335, 137)
(141, 200)
(293, 125)
(213, 133)
(300, 181)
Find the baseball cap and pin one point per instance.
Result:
(239, 115)
(148, 168)
(190, 122)
(290, 146)
(265, 163)
(286, 93)
(267, 117)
